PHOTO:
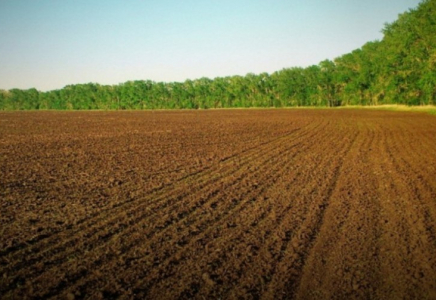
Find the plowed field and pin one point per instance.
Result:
(225, 204)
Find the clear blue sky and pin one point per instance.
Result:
(48, 44)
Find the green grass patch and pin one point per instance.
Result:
(430, 109)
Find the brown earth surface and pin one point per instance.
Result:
(223, 204)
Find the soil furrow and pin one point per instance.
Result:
(130, 226)
(404, 237)
(235, 204)
(193, 234)
(289, 265)
(345, 258)
(270, 244)
(162, 192)
(164, 197)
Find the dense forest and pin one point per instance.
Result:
(399, 69)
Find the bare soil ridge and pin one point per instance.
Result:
(262, 204)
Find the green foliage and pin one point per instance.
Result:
(400, 69)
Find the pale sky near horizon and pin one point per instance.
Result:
(48, 44)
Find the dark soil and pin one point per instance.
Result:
(225, 204)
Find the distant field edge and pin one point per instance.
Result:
(431, 109)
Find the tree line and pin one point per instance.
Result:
(399, 69)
